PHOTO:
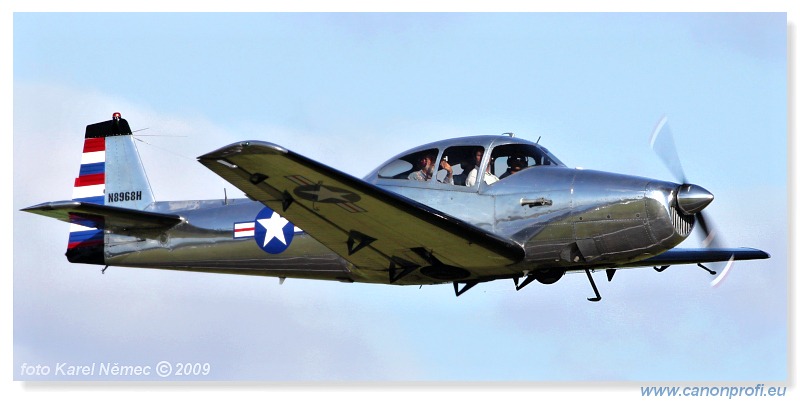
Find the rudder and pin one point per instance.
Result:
(111, 173)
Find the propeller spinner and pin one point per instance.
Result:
(693, 198)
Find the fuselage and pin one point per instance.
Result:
(563, 217)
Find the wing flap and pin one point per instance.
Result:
(370, 227)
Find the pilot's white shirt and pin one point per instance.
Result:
(473, 177)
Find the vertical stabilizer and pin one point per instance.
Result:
(110, 155)
(111, 174)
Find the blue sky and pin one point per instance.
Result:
(352, 90)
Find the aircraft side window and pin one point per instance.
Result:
(512, 158)
(464, 161)
(395, 168)
(414, 166)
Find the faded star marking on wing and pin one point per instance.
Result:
(324, 194)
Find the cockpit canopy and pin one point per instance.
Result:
(463, 161)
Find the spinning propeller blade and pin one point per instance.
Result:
(691, 198)
(664, 146)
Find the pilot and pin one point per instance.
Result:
(425, 172)
(515, 163)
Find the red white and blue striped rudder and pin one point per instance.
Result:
(111, 173)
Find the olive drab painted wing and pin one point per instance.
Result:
(366, 225)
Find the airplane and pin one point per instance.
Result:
(461, 211)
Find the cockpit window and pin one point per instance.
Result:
(465, 162)
(467, 165)
(512, 158)
(412, 166)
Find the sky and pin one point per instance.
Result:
(353, 89)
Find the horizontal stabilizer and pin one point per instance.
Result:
(114, 219)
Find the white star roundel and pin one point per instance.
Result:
(273, 233)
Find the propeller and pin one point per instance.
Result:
(664, 146)
(691, 198)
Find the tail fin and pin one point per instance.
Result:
(111, 174)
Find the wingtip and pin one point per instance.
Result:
(243, 147)
(758, 253)
(53, 205)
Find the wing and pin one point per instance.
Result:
(690, 256)
(114, 219)
(372, 228)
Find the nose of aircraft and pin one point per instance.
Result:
(693, 198)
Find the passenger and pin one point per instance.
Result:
(472, 176)
(426, 171)
(515, 164)
(488, 177)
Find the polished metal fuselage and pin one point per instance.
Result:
(587, 219)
